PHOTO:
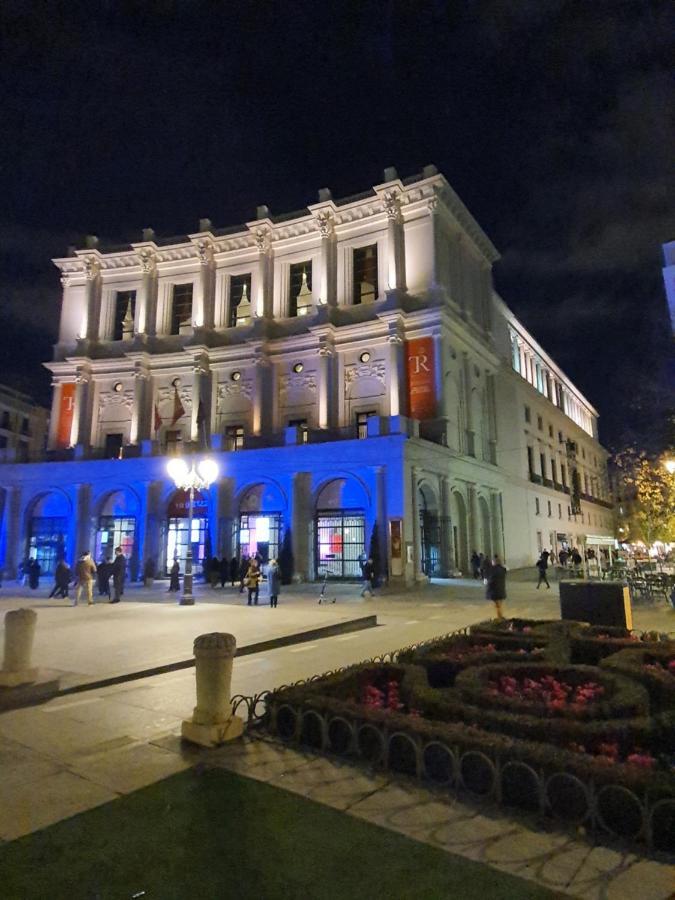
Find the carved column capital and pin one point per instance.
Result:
(392, 205)
(92, 268)
(262, 239)
(148, 261)
(325, 223)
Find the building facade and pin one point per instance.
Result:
(23, 427)
(351, 370)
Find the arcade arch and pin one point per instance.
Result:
(259, 526)
(340, 528)
(116, 524)
(47, 523)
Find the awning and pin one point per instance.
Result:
(600, 540)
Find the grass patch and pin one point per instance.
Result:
(218, 835)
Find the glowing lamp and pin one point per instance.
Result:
(208, 471)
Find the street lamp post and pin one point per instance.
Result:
(191, 479)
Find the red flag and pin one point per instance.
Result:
(158, 419)
(178, 408)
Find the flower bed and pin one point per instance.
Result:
(654, 668)
(480, 716)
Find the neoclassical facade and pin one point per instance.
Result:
(352, 371)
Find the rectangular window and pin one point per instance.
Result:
(234, 437)
(536, 505)
(5, 419)
(240, 300)
(563, 475)
(3, 441)
(113, 446)
(181, 307)
(528, 415)
(25, 426)
(302, 425)
(560, 510)
(530, 461)
(362, 423)
(125, 310)
(560, 437)
(540, 423)
(549, 509)
(542, 463)
(554, 472)
(550, 431)
(300, 289)
(365, 287)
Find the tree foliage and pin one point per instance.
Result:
(648, 497)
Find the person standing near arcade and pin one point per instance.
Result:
(496, 585)
(119, 572)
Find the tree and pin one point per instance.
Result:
(647, 498)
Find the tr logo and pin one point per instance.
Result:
(419, 363)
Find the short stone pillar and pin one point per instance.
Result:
(19, 634)
(212, 721)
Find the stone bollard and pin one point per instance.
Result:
(19, 634)
(212, 721)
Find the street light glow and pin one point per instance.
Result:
(178, 471)
(670, 466)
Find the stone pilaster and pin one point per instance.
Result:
(140, 423)
(83, 521)
(325, 385)
(395, 242)
(262, 302)
(204, 298)
(92, 294)
(327, 275)
(146, 296)
(300, 519)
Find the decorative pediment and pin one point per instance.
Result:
(297, 381)
(243, 388)
(366, 370)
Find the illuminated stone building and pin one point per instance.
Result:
(347, 365)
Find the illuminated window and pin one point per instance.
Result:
(240, 300)
(362, 423)
(365, 285)
(125, 308)
(181, 307)
(300, 289)
(234, 437)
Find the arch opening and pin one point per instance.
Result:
(340, 529)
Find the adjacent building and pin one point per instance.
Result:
(351, 370)
(23, 427)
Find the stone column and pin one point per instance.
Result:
(199, 374)
(212, 721)
(397, 383)
(92, 293)
(12, 528)
(497, 524)
(259, 379)
(468, 406)
(80, 432)
(472, 509)
(325, 384)
(204, 299)
(146, 296)
(300, 516)
(19, 635)
(396, 249)
(140, 426)
(416, 529)
(261, 303)
(226, 513)
(327, 280)
(57, 389)
(83, 521)
(434, 274)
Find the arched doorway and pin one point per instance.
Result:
(460, 533)
(177, 530)
(48, 530)
(116, 525)
(340, 528)
(430, 531)
(261, 516)
(485, 528)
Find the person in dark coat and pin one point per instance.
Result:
(34, 572)
(234, 569)
(496, 585)
(475, 564)
(174, 576)
(243, 569)
(367, 573)
(252, 581)
(62, 578)
(214, 571)
(273, 582)
(118, 570)
(224, 571)
(542, 566)
(485, 566)
(103, 573)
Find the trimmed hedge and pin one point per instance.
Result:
(632, 661)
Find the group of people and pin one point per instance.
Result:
(83, 578)
(247, 572)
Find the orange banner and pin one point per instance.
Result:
(66, 408)
(421, 378)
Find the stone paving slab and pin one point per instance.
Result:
(556, 860)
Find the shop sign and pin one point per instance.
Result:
(421, 378)
(179, 505)
(66, 411)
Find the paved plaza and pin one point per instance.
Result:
(81, 750)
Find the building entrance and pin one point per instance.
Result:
(340, 541)
(115, 531)
(178, 537)
(259, 533)
(47, 541)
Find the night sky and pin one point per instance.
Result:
(554, 121)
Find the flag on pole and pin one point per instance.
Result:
(158, 419)
(178, 408)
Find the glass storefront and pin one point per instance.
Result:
(177, 536)
(259, 533)
(340, 540)
(47, 541)
(115, 531)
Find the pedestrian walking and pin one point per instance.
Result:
(234, 570)
(34, 572)
(85, 571)
(273, 582)
(542, 566)
(252, 581)
(243, 569)
(62, 578)
(174, 576)
(119, 574)
(368, 573)
(475, 564)
(485, 567)
(563, 556)
(496, 585)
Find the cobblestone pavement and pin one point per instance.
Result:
(560, 861)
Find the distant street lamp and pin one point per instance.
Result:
(670, 466)
(187, 478)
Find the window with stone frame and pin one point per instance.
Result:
(303, 426)
(365, 286)
(181, 307)
(234, 437)
(240, 301)
(300, 289)
(362, 423)
(125, 310)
